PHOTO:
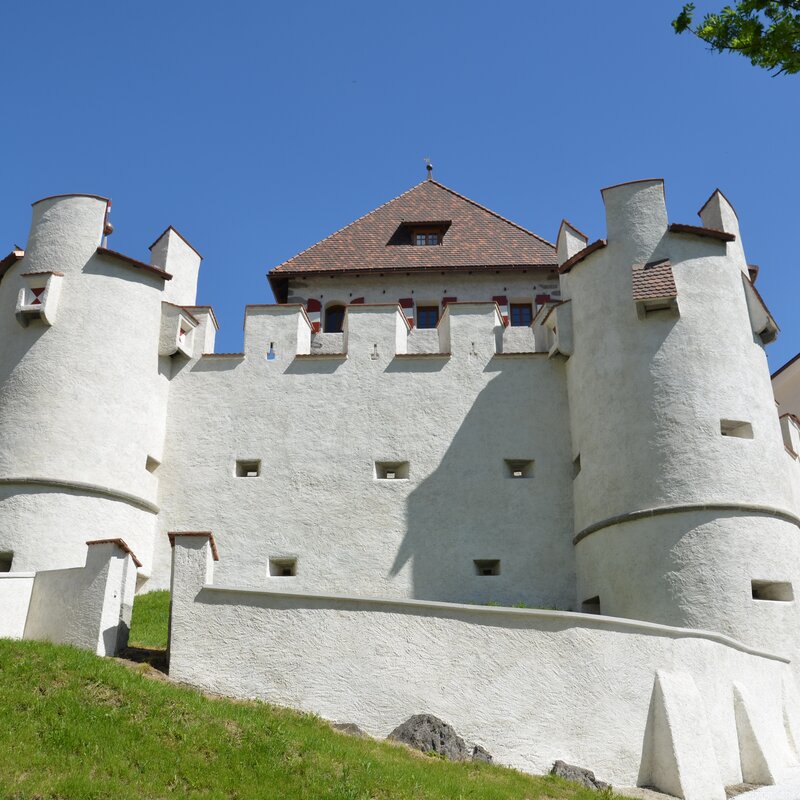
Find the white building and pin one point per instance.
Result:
(443, 408)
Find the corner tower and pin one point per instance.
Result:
(82, 390)
(684, 511)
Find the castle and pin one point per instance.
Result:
(443, 411)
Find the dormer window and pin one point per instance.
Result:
(427, 237)
(423, 239)
(420, 234)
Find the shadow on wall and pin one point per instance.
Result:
(476, 534)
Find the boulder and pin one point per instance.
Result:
(481, 754)
(585, 777)
(431, 735)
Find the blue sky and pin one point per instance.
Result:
(257, 129)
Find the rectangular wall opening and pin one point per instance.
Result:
(519, 468)
(591, 605)
(283, 567)
(248, 468)
(487, 566)
(576, 466)
(391, 470)
(780, 591)
(151, 464)
(5, 561)
(737, 428)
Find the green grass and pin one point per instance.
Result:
(150, 620)
(78, 727)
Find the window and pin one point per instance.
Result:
(151, 464)
(283, 567)
(426, 239)
(521, 314)
(427, 316)
(334, 319)
(519, 468)
(780, 591)
(487, 566)
(420, 233)
(248, 469)
(5, 561)
(391, 470)
(736, 428)
(591, 606)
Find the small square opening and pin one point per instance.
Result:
(283, 567)
(391, 470)
(248, 468)
(737, 428)
(576, 466)
(487, 566)
(519, 468)
(591, 605)
(151, 464)
(780, 591)
(5, 561)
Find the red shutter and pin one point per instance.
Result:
(542, 298)
(446, 300)
(406, 302)
(357, 301)
(501, 300)
(313, 305)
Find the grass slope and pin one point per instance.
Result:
(150, 620)
(76, 726)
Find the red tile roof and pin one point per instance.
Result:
(653, 281)
(476, 238)
(698, 230)
(581, 254)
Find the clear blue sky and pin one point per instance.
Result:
(257, 129)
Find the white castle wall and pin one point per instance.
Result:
(320, 424)
(520, 286)
(15, 597)
(88, 606)
(786, 385)
(641, 703)
(656, 389)
(83, 401)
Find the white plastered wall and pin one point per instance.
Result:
(318, 425)
(647, 400)
(90, 606)
(82, 402)
(15, 597)
(786, 386)
(530, 686)
(520, 286)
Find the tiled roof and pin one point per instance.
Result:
(475, 238)
(699, 230)
(653, 281)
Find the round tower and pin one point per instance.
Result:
(82, 399)
(683, 490)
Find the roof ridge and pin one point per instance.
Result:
(350, 224)
(489, 211)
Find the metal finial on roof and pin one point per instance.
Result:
(429, 167)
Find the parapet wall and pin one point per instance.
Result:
(643, 704)
(88, 607)
(281, 332)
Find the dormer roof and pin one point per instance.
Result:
(473, 237)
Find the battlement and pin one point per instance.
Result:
(381, 331)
